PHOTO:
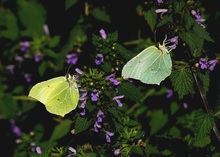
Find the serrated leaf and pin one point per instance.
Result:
(165, 20)
(179, 5)
(61, 130)
(100, 14)
(130, 91)
(151, 18)
(70, 3)
(194, 42)
(137, 150)
(82, 124)
(33, 16)
(188, 20)
(42, 68)
(158, 121)
(203, 124)
(202, 33)
(202, 142)
(182, 80)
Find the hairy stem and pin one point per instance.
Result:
(207, 106)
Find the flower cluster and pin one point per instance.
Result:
(204, 64)
(198, 17)
(97, 125)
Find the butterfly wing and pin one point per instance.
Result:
(150, 66)
(57, 95)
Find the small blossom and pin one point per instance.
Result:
(19, 58)
(72, 58)
(79, 71)
(169, 93)
(37, 57)
(198, 17)
(103, 34)
(46, 29)
(185, 105)
(174, 42)
(83, 112)
(97, 126)
(203, 63)
(28, 77)
(212, 64)
(159, 1)
(100, 114)
(117, 99)
(99, 59)
(15, 129)
(117, 152)
(112, 79)
(38, 150)
(161, 11)
(24, 46)
(73, 152)
(10, 68)
(108, 135)
(94, 95)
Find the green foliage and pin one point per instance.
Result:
(114, 117)
(182, 81)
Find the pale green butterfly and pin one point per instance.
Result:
(151, 66)
(60, 95)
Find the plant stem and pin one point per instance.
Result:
(207, 106)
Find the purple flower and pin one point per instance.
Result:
(198, 17)
(10, 68)
(28, 77)
(15, 129)
(174, 42)
(73, 152)
(112, 79)
(99, 59)
(169, 93)
(79, 71)
(159, 1)
(97, 126)
(185, 105)
(83, 112)
(38, 150)
(72, 58)
(161, 11)
(117, 152)
(117, 99)
(108, 135)
(203, 63)
(37, 57)
(103, 34)
(212, 64)
(19, 58)
(94, 95)
(46, 29)
(100, 114)
(24, 46)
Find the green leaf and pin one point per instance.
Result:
(182, 80)
(194, 42)
(100, 14)
(54, 41)
(165, 20)
(82, 124)
(137, 150)
(70, 3)
(61, 130)
(32, 14)
(130, 91)
(179, 5)
(42, 68)
(8, 25)
(158, 121)
(174, 107)
(188, 20)
(151, 18)
(202, 142)
(202, 33)
(203, 124)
